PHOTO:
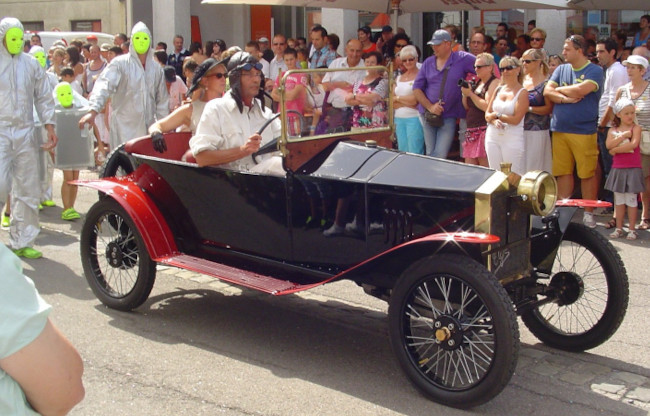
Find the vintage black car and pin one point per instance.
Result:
(458, 251)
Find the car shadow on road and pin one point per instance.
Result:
(345, 348)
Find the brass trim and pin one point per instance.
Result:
(497, 182)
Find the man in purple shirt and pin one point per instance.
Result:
(426, 89)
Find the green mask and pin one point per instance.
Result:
(64, 94)
(141, 42)
(14, 40)
(40, 57)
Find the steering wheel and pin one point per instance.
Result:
(272, 146)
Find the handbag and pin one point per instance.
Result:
(645, 142)
(435, 120)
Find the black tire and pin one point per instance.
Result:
(594, 297)
(477, 354)
(115, 260)
(118, 163)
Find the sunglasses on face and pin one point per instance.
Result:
(219, 75)
(481, 66)
(529, 61)
(400, 45)
(408, 60)
(537, 39)
(508, 68)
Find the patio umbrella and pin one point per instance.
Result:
(408, 6)
(609, 5)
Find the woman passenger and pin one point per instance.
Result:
(209, 82)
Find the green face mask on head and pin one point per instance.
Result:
(40, 57)
(14, 40)
(64, 94)
(141, 42)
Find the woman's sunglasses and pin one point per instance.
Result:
(508, 68)
(219, 75)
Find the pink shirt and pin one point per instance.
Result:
(291, 82)
(627, 160)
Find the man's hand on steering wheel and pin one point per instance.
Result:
(252, 145)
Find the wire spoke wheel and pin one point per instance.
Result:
(116, 263)
(454, 330)
(591, 293)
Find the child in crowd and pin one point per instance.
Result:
(67, 75)
(626, 177)
(315, 98)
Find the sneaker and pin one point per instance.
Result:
(333, 230)
(48, 203)
(588, 220)
(70, 214)
(28, 253)
(632, 235)
(6, 221)
(617, 233)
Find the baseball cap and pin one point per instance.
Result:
(264, 39)
(439, 36)
(636, 60)
(386, 28)
(91, 37)
(365, 29)
(170, 73)
(105, 47)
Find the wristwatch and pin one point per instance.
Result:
(499, 115)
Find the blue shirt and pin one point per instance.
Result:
(580, 117)
(429, 79)
(322, 57)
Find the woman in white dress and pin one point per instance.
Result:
(504, 138)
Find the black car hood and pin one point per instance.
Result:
(357, 162)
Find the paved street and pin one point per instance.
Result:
(201, 347)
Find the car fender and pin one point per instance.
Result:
(383, 269)
(148, 219)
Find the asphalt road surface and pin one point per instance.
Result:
(202, 347)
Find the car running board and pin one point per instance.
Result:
(237, 276)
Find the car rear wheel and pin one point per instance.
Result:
(115, 260)
(454, 330)
(591, 289)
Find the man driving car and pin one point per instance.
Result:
(227, 132)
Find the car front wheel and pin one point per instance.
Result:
(114, 257)
(591, 292)
(454, 330)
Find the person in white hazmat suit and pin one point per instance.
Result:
(46, 179)
(23, 85)
(41, 138)
(136, 85)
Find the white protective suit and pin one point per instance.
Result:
(23, 85)
(46, 166)
(138, 95)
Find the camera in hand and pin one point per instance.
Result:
(465, 84)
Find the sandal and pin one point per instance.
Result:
(632, 235)
(645, 224)
(617, 233)
(612, 224)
